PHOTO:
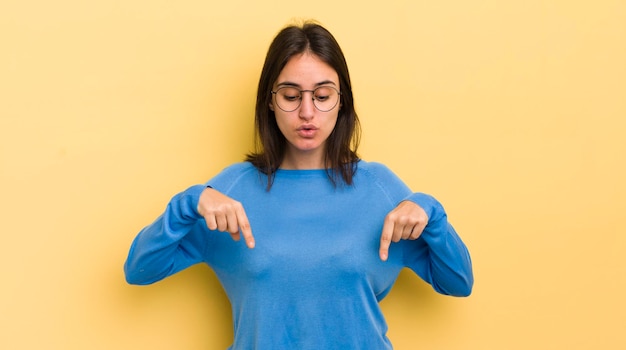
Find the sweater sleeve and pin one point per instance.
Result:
(171, 243)
(444, 260)
(438, 256)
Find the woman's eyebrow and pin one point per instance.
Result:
(288, 83)
(292, 84)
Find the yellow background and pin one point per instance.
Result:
(512, 113)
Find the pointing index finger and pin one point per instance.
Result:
(244, 226)
(385, 241)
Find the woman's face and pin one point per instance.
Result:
(306, 127)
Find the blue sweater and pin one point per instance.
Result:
(314, 279)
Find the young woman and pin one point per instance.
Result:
(317, 222)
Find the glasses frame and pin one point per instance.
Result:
(312, 97)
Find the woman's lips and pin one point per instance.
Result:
(307, 131)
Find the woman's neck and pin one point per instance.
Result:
(303, 161)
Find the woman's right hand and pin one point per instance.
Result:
(225, 214)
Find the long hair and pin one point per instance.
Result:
(270, 144)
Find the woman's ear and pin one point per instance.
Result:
(271, 105)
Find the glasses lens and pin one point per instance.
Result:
(288, 98)
(325, 98)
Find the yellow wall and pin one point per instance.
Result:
(512, 113)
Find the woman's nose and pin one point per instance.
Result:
(307, 107)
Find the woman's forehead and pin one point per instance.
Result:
(307, 70)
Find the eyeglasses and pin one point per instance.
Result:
(289, 98)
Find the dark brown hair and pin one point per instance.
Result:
(270, 144)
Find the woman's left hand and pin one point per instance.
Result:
(406, 221)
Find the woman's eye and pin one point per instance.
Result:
(321, 98)
(290, 94)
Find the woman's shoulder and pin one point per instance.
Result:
(385, 179)
(239, 167)
(374, 168)
(232, 174)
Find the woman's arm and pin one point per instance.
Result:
(167, 245)
(431, 246)
(444, 260)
